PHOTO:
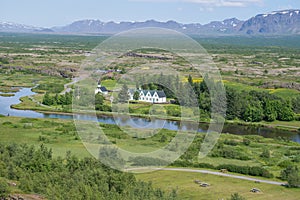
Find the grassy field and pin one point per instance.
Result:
(221, 187)
(61, 136)
(56, 134)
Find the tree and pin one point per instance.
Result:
(291, 174)
(163, 139)
(136, 95)
(296, 104)
(246, 141)
(253, 112)
(99, 99)
(270, 111)
(4, 189)
(234, 105)
(190, 80)
(236, 196)
(265, 153)
(284, 110)
(68, 97)
(294, 179)
(47, 100)
(123, 96)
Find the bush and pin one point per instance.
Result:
(229, 152)
(174, 112)
(147, 161)
(246, 141)
(203, 165)
(296, 159)
(104, 108)
(231, 142)
(285, 163)
(236, 196)
(252, 171)
(182, 163)
(291, 174)
(4, 189)
(265, 153)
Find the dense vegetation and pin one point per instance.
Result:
(57, 99)
(246, 105)
(69, 178)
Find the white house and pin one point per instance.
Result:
(101, 89)
(150, 96)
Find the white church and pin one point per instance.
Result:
(101, 89)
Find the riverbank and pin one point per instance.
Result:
(30, 108)
(293, 126)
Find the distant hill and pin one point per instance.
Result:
(274, 23)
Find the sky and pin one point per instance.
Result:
(49, 13)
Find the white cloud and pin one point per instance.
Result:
(213, 3)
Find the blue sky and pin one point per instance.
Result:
(61, 12)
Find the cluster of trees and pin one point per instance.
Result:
(252, 171)
(291, 174)
(255, 106)
(247, 170)
(229, 152)
(247, 105)
(57, 99)
(36, 171)
(99, 103)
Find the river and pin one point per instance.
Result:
(137, 122)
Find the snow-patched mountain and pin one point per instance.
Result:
(97, 26)
(231, 25)
(277, 22)
(14, 27)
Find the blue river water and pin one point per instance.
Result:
(136, 122)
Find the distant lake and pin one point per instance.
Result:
(138, 122)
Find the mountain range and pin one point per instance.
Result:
(274, 23)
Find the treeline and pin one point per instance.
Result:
(36, 171)
(247, 170)
(255, 106)
(57, 99)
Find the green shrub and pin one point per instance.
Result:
(4, 189)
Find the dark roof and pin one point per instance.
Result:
(103, 89)
(161, 94)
